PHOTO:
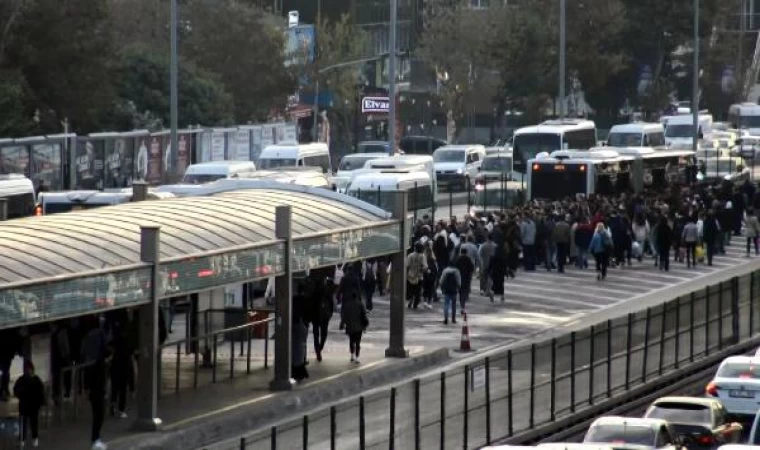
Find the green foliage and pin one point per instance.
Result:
(144, 83)
(15, 114)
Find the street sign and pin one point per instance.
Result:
(477, 377)
(375, 105)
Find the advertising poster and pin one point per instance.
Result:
(291, 132)
(141, 158)
(243, 146)
(47, 171)
(167, 163)
(89, 164)
(155, 161)
(184, 150)
(119, 162)
(14, 159)
(255, 143)
(217, 146)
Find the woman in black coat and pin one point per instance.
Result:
(664, 241)
(353, 317)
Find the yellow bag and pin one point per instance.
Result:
(700, 253)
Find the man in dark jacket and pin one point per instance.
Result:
(94, 353)
(350, 284)
(664, 241)
(561, 238)
(31, 396)
(710, 233)
(466, 270)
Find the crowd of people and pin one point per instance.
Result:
(685, 225)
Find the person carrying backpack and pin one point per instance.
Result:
(451, 282)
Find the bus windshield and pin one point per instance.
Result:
(624, 140)
(527, 146)
(679, 131)
(200, 178)
(749, 122)
(275, 163)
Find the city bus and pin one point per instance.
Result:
(745, 116)
(67, 201)
(657, 169)
(567, 173)
(550, 136)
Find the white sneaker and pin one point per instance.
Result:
(356, 360)
(36, 443)
(123, 415)
(353, 358)
(99, 445)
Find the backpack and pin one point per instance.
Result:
(449, 283)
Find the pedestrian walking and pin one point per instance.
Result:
(121, 369)
(323, 308)
(416, 266)
(486, 253)
(94, 353)
(528, 239)
(353, 318)
(299, 335)
(690, 238)
(30, 393)
(561, 239)
(751, 230)
(431, 276)
(710, 235)
(600, 247)
(497, 272)
(60, 359)
(466, 270)
(663, 242)
(451, 283)
(369, 281)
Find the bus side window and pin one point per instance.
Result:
(646, 141)
(300, 162)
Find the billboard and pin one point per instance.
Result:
(299, 49)
(155, 161)
(375, 105)
(119, 162)
(89, 163)
(47, 169)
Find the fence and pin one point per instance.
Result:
(515, 391)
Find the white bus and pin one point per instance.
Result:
(745, 116)
(18, 191)
(350, 164)
(290, 155)
(67, 201)
(216, 170)
(657, 169)
(406, 163)
(568, 173)
(550, 136)
(379, 189)
(679, 132)
(637, 135)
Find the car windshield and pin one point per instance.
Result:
(354, 162)
(680, 413)
(621, 434)
(749, 122)
(624, 140)
(679, 131)
(447, 156)
(200, 178)
(497, 163)
(274, 163)
(373, 148)
(739, 370)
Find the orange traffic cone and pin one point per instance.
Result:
(464, 344)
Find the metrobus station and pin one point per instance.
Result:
(139, 256)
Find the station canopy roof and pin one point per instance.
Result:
(81, 241)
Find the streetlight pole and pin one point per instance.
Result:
(316, 76)
(562, 56)
(173, 81)
(392, 80)
(695, 87)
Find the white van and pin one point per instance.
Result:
(378, 188)
(679, 131)
(288, 155)
(216, 170)
(458, 164)
(637, 135)
(407, 163)
(18, 191)
(67, 201)
(350, 164)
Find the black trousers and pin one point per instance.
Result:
(355, 343)
(97, 402)
(691, 253)
(320, 328)
(562, 251)
(119, 389)
(30, 421)
(60, 379)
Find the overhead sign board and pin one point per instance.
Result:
(375, 105)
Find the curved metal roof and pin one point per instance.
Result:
(41, 247)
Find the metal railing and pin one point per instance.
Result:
(517, 390)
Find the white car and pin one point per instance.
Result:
(629, 431)
(737, 385)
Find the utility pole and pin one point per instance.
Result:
(562, 56)
(315, 113)
(173, 89)
(392, 80)
(695, 87)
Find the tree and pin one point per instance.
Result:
(454, 44)
(16, 113)
(143, 86)
(239, 43)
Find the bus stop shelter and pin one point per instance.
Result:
(136, 254)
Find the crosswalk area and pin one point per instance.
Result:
(536, 301)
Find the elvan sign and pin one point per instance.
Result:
(375, 105)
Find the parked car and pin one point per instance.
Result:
(737, 385)
(645, 433)
(700, 422)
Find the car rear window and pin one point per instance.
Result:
(621, 434)
(739, 370)
(680, 413)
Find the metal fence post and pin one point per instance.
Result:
(751, 303)
(451, 200)
(333, 426)
(392, 425)
(553, 382)
(305, 430)
(720, 316)
(176, 374)
(488, 400)
(443, 411)
(273, 438)
(707, 320)
(466, 406)
(362, 443)
(242, 443)
(609, 358)
(572, 371)
(213, 369)
(678, 331)
(232, 355)
(735, 324)
(417, 414)
(691, 327)
(531, 415)
(510, 421)
(647, 325)
(591, 367)
(628, 345)
(664, 322)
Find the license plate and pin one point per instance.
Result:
(742, 394)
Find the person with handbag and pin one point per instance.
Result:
(353, 318)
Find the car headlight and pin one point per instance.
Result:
(460, 171)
